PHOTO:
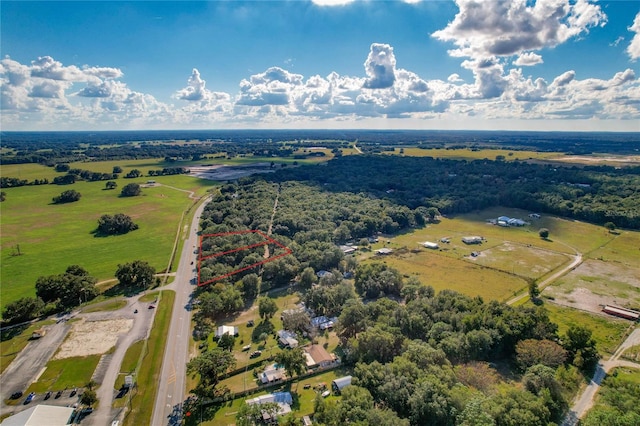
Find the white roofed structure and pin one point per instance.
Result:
(41, 415)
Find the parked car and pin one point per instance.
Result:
(255, 354)
(135, 312)
(151, 306)
(73, 392)
(29, 398)
(16, 395)
(47, 395)
(326, 394)
(58, 394)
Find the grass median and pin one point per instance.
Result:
(151, 363)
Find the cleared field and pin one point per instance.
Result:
(623, 248)
(521, 260)
(474, 154)
(442, 272)
(596, 283)
(607, 331)
(51, 237)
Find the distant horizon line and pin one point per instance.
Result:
(271, 130)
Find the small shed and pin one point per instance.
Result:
(431, 245)
(339, 384)
(226, 329)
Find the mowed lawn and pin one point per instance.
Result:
(51, 237)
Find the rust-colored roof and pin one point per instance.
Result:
(318, 353)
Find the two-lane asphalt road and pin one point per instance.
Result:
(171, 388)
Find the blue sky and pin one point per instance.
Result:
(465, 64)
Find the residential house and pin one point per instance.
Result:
(272, 374)
(287, 339)
(317, 356)
(283, 399)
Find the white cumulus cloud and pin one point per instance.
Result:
(634, 47)
(528, 59)
(380, 67)
(510, 27)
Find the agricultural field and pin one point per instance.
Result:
(40, 238)
(475, 154)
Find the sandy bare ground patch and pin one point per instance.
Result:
(596, 283)
(93, 337)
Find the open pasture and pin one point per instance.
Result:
(624, 247)
(596, 283)
(508, 257)
(442, 273)
(474, 154)
(51, 237)
(521, 260)
(565, 235)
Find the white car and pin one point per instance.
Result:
(326, 394)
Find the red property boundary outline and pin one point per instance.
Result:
(268, 240)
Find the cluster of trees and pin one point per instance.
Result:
(427, 361)
(595, 194)
(131, 190)
(136, 275)
(67, 197)
(167, 171)
(116, 224)
(54, 293)
(617, 402)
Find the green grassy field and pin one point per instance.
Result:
(607, 331)
(442, 272)
(107, 305)
(66, 374)
(623, 248)
(508, 258)
(129, 362)
(51, 237)
(469, 154)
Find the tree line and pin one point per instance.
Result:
(596, 194)
(62, 292)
